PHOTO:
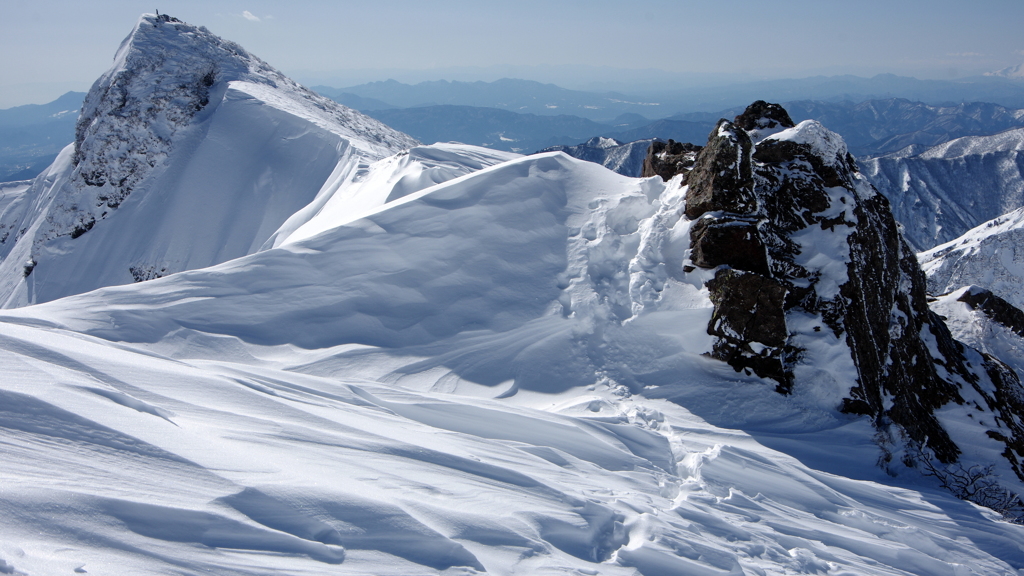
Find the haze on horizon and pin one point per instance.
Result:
(53, 46)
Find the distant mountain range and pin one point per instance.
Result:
(526, 116)
(549, 99)
(942, 192)
(32, 135)
(490, 127)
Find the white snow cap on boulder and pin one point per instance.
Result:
(189, 152)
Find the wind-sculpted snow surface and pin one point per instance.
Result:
(189, 152)
(500, 373)
(940, 193)
(241, 468)
(347, 196)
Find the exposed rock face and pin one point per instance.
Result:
(802, 245)
(666, 159)
(995, 308)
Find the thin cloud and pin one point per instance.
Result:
(965, 54)
(250, 16)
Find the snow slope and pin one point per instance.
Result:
(990, 255)
(978, 329)
(625, 158)
(189, 152)
(485, 375)
(228, 468)
(940, 193)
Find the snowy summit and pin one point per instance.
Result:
(189, 152)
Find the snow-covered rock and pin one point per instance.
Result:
(981, 319)
(940, 193)
(814, 288)
(189, 152)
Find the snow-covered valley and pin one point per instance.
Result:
(362, 356)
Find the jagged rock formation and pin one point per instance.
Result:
(666, 159)
(800, 244)
(994, 307)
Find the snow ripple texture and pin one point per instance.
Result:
(487, 375)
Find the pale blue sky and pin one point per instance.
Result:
(51, 46)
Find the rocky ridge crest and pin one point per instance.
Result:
(806, 255)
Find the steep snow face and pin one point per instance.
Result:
(944, 191)
(189, 152)
(991, 256)
(475, 376)
(11, 192)
(164, 74)
(997, 330)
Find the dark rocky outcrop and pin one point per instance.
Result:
(721, 178)
(763, 114)
(728, 240)
(666, 159)
(995, 308)
(760, 205)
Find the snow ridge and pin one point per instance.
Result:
(990, 255)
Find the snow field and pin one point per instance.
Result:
(485, 375)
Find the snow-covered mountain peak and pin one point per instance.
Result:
(144, 191)
(1009, 72)
(602, 142)
(823, 142)
(165, 75)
